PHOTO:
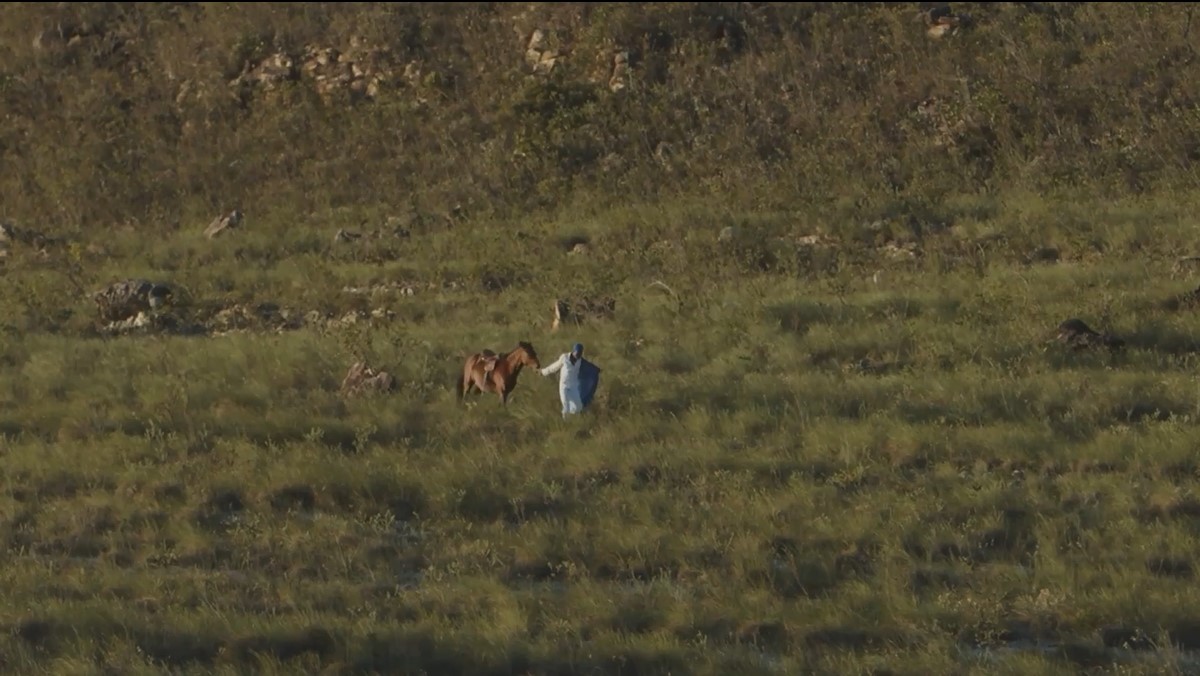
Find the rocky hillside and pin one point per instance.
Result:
(152, 114)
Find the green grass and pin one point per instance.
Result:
(741, 498)
(826, 459)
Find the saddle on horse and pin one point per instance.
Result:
(489, 364)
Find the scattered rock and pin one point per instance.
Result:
(1078, 336)
(126, 299)
(156, 322)
(619, 79)
(539, 56)
(263, 316)
(906, 251)
(571, 243)
(315, 318)
(362, 379)
(269, 73)
(727, 234)
(819, 241)
(940, 21)
(136, 304)
(360, 71)
(1185, 262)
(141, 320)
(377, 314)
(412, 72)
(220, 224)
(402, 288)
(240, 318)
(232, 318)
(450, 285)
(580, 248)
(579, 310)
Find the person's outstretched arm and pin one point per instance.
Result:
(553, 368)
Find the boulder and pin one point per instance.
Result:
(581, 309)
(125, 299)
(220, 224)
(362, 379)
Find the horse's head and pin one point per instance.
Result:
(528, 355)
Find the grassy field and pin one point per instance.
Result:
(744, 497)
(835, 433)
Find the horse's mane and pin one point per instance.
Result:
(521, 345)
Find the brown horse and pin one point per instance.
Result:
(487, 371)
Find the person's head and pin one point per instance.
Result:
(577, 350)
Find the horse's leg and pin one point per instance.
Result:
(470, 378)
(466, 384)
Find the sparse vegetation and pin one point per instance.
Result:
(822, 257)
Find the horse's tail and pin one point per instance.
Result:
(458, 385)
